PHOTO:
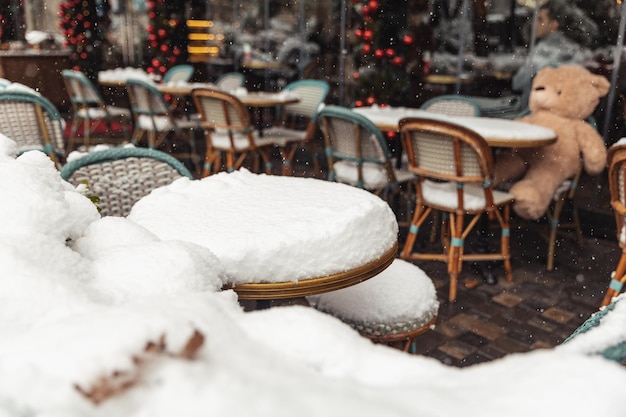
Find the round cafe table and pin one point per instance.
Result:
(503, 133)
(277, 237)
(312, 286)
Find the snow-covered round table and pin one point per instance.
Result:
(277, 237)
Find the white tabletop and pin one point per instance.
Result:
(266, 228)
(497, 132)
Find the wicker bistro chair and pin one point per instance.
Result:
(453, 166)
(182, 72)
(154, 119)
(229, 131)
(296, 124)
(230, 81)
(358, 154)
(33, 122)
(120, 177)
(617, 187)
(393, 307)
(452, 105)
(89, 106)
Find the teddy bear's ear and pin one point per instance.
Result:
(601, 84)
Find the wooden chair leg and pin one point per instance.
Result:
(553, 220)
(505, 241)
(576, 224)
(418, 218)
(455, 253)
(433, 231)
(617, 280)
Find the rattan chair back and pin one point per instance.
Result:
(179, 73)
(454, 175)
(447, 152)
(230, 81)
(617, 187)
(119, 177)
(296, 124)
(222, 110)
(151, 112)
(82, 92)
(352, 137)
(228, 130)
(312, 94)
(89, 105)
(33, 122)
(452, 105)
(147, 100)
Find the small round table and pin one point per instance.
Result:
(305, 287)
(277, 237)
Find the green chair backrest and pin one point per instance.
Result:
(452, 105)
(181, 72)
(120, 177)
(32, 121)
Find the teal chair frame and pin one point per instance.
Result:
(297, 123)
(230, 81)
(346, 148)
(181, 73)
(33, 122)
(89, 105)
(452, 105)
(350, 136)
(119, 177)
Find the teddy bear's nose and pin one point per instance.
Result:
(539, 88)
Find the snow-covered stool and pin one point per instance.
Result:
(393, 308)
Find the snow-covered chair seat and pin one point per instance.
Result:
(394, 307)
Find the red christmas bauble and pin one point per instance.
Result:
(367, 48)
(390, 52)
(358, 103)
(373, 5)
(408, 39)
(367, 35)
(379, 53)
(370, 100)
(397, 61)
(162, 33)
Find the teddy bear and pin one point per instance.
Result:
(561, 99)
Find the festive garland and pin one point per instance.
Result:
(380, 53)
(84, 24)
(12, 23)
(167, 35)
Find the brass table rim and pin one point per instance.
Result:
(305, 287)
